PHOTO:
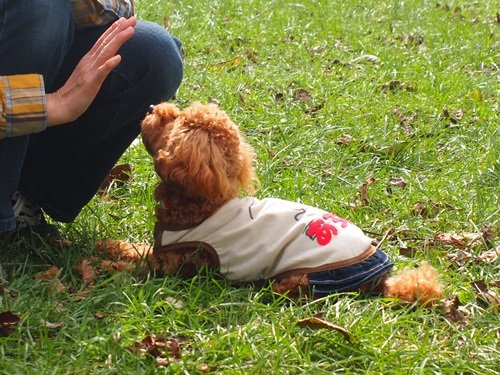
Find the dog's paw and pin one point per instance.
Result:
(122, 250)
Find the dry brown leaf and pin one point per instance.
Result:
(166, 22)
(157, 347)
(48, 274)
(80, 296)
(450, 308)
(57, 286)
(8, 321)
(316, 322)
(344, 140)
(455, 116)
(302, 95)
(51, 325)
(486, 295)
(203, 367)
(227, 63)
(51, 275)
(430, 208)
(398, 182)
(407, 251)
(363, 191)
(160, 361)
(458, 240)
(405, 120)
(460, 257)
(490, 256)
(86, 270)
(119, 174)
(396, 84)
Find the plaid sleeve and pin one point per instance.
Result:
(88, 13)
(22, 105)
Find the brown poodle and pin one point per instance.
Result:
(207, 216)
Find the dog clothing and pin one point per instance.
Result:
(254, 239)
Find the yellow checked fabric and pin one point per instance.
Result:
(22, 105)
(22, 97)
(90, 13)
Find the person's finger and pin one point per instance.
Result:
(107, 67)
(111, 33)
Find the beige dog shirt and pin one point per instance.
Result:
(260, 239)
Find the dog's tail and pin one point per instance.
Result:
(421, 285)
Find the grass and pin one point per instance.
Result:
(415, 86)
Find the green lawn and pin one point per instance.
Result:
(330, 93)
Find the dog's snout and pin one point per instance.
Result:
(151, 109)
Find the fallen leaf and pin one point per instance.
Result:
(234, 62)
(86, 270)
(363, 191)
(344, 140)
(316, 322)
(455, 116)
(413, 40)
(404, 120)
(460, 257)
(157, 347)
(430, 208)
(365, 59)
(486, 295)
(462, 241)
(396, 85)
(160, 361)
(7, 322)
(398, 182)
(214, 101)
(314, 108)
(7, 292)
(80, 296)
(450, 307)
(302, 95)
(490, 256)
(119, 174)
(51, 325)
(48, 274)
(203, 367)
(51, 275)
(407, 251)
(166, 22)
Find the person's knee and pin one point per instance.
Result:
(161, 54)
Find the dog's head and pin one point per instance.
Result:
(199, 152)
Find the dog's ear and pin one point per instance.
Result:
(247, 178)
(155, 125)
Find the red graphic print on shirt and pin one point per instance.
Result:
(322, 230)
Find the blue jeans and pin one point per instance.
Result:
(349, 278)
(62, 167)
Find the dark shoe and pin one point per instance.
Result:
(26, 211)
(31, 223)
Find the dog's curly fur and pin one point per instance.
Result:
(203, 162)
(201, 159)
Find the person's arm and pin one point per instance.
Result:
(22, 105)
(90, 13)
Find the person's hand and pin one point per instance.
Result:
(72, 100)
